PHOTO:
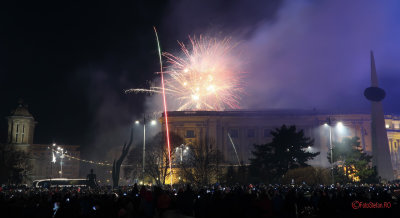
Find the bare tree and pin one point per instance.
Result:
(157, 160)
(117, 164)
(201, 165)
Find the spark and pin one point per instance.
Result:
(143, 91)
(206, 77)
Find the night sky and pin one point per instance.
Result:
(71, 62)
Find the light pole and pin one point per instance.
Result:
(329, 124)
(137, 122)
(61, 150)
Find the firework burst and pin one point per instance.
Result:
(206, 76)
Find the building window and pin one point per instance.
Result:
(251, 133)
(234, 133)
(23, 133)
(16, 133)
(267, 133)
(190, 134)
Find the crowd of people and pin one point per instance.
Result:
(212, 201)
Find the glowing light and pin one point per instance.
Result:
(340, 125)
(153, 122)
(137, 122)
(210, 88)
(387, 126)
(54, 158)
(195, 97)
(325, 124)
(206, 76)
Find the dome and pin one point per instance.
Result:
(21, 110)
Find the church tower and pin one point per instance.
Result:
(21, 126)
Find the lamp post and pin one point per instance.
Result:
(329, 124)
(137, 122)
(61, 150)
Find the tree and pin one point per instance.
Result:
(352, 164)
(288, 150)
(15, 165)
(117, 164)
(201, 165)
(156, 160)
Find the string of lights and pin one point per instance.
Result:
(88, 161)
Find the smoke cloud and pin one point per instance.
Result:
(304, 54)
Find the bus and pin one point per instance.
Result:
(59, 182)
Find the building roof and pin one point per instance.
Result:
(21, 110)
(247, 113)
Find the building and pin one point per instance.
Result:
(392, 124)
(48, 161)
(240, 130)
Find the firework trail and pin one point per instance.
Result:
(165, 104)
(206, 76)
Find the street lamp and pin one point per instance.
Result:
(152, 123)
(340, 127)
(329, 124)
(62, 155)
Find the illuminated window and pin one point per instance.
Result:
(234, 133)
(251, 133)
(190, 134)
(267, 133)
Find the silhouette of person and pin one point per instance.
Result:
(91, 177)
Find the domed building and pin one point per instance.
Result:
(48, 160)
(21, 126)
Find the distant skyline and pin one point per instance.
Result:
(71, 62)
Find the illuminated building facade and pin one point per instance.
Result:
(21, 125)
(393, 132)
(247, 128)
